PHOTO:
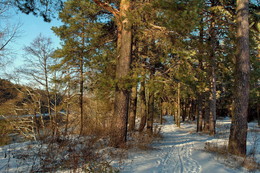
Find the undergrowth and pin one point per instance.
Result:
(220, 151)
(144, 140)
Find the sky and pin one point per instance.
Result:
(31, 27)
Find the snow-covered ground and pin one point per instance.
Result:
(181, 150)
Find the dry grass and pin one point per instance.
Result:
(144, 140)
(73, 154)
(5, 130)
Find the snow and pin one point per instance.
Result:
(11, 157)
(181, 150)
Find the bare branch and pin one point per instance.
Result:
(9, 35)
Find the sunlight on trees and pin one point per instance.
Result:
(124, 65)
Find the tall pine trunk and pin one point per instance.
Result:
(122, 71)
(161, 112)
(150, 114)
(238, 130)
(132, 108)
(81, 91)
(206, 114)
(212, 112)
(213, 46)
(258, 114)
(183, 110)
(199, 113)
(178, 116)
(124, 49)
(143, 112)
(67, 101)
(200, 92)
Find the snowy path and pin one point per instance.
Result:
(178, 160)
(177, 156)
(180, 151)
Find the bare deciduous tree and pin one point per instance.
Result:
(8, 32)
(37, 70)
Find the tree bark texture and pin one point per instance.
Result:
(178, 117)
(206, 115)
(124, 49)
(212, 99)
(199, 113)
(132, 108)
(200, 92)
(257, 112)
(161, 113)
(183, 110)
(238, 130)
(143, 112)
(81, 91)
(150, 114)
(122, 71)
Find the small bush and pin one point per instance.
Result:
(143, 140)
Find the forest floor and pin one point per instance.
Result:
(181, 150)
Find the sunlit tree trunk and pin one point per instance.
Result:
(122, 71)
(124, 49)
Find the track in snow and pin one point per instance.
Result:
(171, 155)
(178, 160)
(177, 157)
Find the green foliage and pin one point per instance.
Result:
(41, 8)
(173, 42)
(86, 36)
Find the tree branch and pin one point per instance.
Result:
(163, 29)
(108, 7)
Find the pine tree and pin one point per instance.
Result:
(77, 48)
(238, 130)
(124, 45)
